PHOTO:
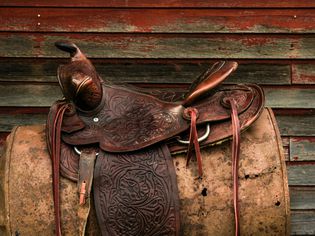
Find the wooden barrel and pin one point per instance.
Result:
(206, 206)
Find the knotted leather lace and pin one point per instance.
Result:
(235, 159)
(193, 140)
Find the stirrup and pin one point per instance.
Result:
(202, 138)
(77, 151)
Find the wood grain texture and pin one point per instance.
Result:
(28, 95)
(42, 70)
(302, 175)
(8, 122)
(294, 125)
(302, 198)
(158, 20)
(303, 74)
(302, 223)
(290, 97)
(162, 3)
(43, 95)
(302, 149)
(286, 147)
(186, 46)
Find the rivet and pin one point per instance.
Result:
(38, 23)
(38, 15)
(95, 119)
(294, 16)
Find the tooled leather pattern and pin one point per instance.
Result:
(219, 130)
(127, 120)
(134, 193)
(130, 121)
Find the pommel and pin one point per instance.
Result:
(78, 79)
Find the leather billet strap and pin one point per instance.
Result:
(136, 193)
(235, 160)
(192, 113)
(53, 136)
(86, 171)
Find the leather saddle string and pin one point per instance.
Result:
(193, 141)
(235, 160)
(56, 145)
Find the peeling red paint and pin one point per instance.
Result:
(161, 3)
(303, 73)
(158, 20)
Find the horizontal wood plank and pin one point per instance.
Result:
(161, 3)
(302, 223)
(42, 95)
(188, 46)
(134, 72)
(302, 148)
(295, 125)
(7, 122)
(28, 95)
(302, 198)
(290, 97)
(302, 175)
(286, 147)
(158, 20)
(303, 74)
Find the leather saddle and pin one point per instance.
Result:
(120, 140)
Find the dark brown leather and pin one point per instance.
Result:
(79, 80)
(235, 159)
(136, 193)
(130, 121)
(209, 80)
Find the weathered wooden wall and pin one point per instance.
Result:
(167, 44)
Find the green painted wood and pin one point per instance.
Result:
(162, 3)
(286, 147)
(290, 97)
(302, 198)
(302, 149)
(241, 46)
(28, 95)
(292, 125)
(44, 94)
(303, 73)
(7, 122)
(158, 20)
(134, 72)
(302, 175)
(302, 223)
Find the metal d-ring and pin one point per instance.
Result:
(77, 151)
(202, 138)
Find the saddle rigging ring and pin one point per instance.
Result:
(77, 151)
(202, 138)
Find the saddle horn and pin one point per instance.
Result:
(209, 80)
(78, 79)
